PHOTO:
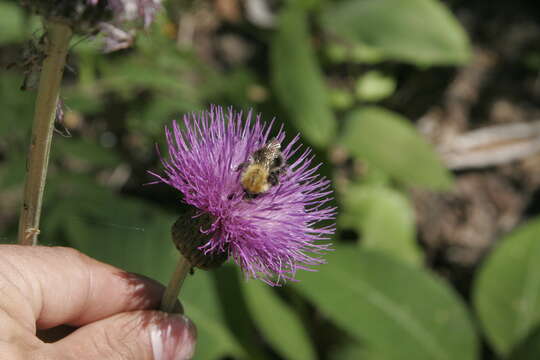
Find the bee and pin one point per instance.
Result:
(262, 170)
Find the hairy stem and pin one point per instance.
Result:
(58, 36)
(175, 283)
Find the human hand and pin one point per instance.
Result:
(44, 287)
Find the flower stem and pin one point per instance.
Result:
(58, 36)
(175, 283)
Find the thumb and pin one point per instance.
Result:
(137, 335)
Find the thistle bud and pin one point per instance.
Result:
(189, 236)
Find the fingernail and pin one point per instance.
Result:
(173, 338)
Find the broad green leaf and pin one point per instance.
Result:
(298, 81)
(356, 352)
(278, 323)
(385, 219)
(11, 22)
(350, 352)
(423, 32)
(306, 4)
(238, 318)
(389, 142)
(529, 349)
(135, 236)
(507, 292)
(200, 300)
(402, 311)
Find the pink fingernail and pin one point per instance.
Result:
(173, 338)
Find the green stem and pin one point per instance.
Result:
(57, 46)
(170, 296)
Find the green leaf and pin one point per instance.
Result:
(298, 81)
(11, 23)
(529, 349)
(389, 142)
(233, 303)
(278, 323)
(356, 351)
(507, 292)
(422, 32)
(349, 352)
(385, 219)
(374, 86)
(399, 310)
(200, 300)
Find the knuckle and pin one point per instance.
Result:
(122, 340)
(75, 258)
(69, 252)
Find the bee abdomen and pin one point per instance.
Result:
(255, 179)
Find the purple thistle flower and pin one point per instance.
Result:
(270, 236)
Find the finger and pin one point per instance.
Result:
(49, 286)
(133, 335)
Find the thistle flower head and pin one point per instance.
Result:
(270, 235)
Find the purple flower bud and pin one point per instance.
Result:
(264, 197)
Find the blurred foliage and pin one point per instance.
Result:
(384, 302)
(375, 299)
(507, 295)
(418, 31)
(297, 78)
(389, 142)
(370, 208)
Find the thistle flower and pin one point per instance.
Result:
(271, 235)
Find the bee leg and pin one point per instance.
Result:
(249, 196)
(278, 171)
(273, 178)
